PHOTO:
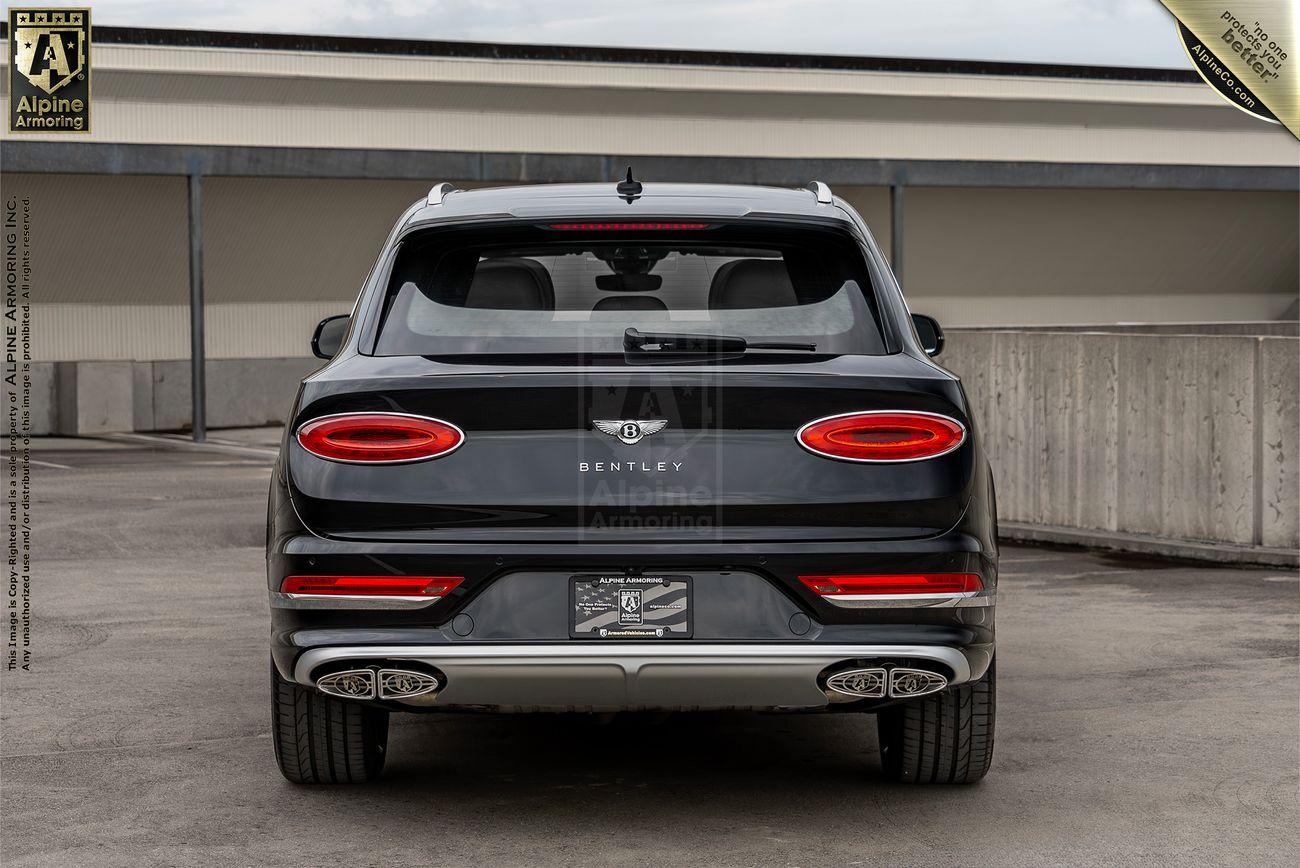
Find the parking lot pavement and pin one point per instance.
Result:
(1148, 712)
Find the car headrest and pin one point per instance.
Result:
(751, 283)
(630, 302)
(511, 283)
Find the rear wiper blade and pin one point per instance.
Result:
(671, 342)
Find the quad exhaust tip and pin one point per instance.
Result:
(878, 682)
(860, 683)
(405, 683)
(349, 684)
(914, 682)
(377, 683)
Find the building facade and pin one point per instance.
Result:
(1009, 194)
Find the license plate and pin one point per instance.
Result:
(630, 607)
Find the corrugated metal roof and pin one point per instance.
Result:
(617, 54)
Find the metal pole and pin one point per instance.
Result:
(896, 230)
(198, 404)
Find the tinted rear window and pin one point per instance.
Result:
(541, 290)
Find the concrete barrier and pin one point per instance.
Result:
(44, 404)
(241, 392)
(1288, 328)
(1178, 440)
(85, 398)
(92, 397)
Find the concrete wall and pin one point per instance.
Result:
(240, 392)
(87, 398)
(1174, 437)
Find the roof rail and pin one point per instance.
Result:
(441, 191)
(821, 191)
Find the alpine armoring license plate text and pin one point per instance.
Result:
(630, 607)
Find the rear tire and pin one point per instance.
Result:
(322, 740)
(945, 738)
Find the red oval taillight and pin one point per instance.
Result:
(379, 438)
(882, 435)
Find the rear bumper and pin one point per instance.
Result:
(608, 676)
(761, 639)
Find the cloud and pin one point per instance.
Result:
(1104, 32)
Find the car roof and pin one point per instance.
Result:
(604, 200)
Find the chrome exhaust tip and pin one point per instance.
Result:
(879, 682)
(907, 683)
(399, 684)
(859, 683)
(348, 684)
(405, 683)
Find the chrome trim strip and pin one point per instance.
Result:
(281, 600)
(453, 425)
(633, 674)
(964, 599)
(798, 436)
(439, 192)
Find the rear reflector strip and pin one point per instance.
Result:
(379, 438)
(894, 584)
(625, 227)
(423, 588)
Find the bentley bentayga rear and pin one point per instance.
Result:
(670, 455)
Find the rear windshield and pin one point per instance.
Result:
(557, 291)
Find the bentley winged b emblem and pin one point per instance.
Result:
(630, 430)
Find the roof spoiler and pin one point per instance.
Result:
(441, 191)
(821, 191)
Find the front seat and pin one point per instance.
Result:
(630, 302)
(752, 283)
(511, 283)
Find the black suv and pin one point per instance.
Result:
(620, 447)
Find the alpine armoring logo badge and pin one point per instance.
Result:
(49, 70)
(630, 430)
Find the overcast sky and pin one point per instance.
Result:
(1107, 32)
